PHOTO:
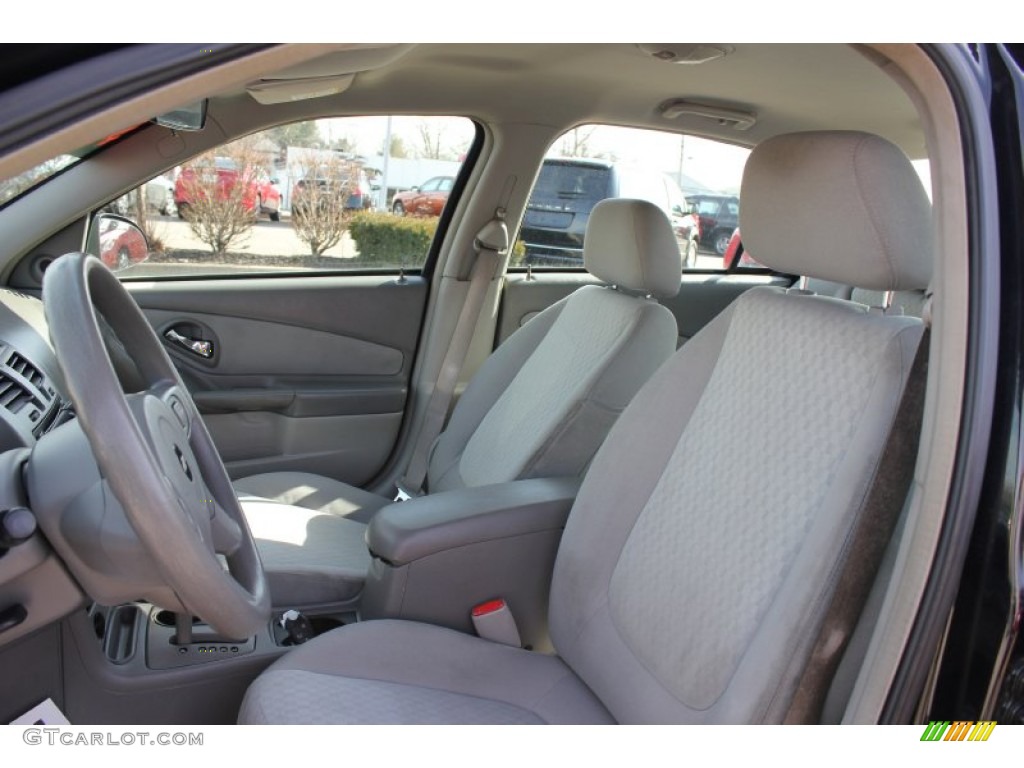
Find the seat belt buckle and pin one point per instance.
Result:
(494, 621)
(403, 493)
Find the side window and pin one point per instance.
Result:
(312, 196)
(687, 176)
(642, 184)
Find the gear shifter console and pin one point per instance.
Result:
(182, 641)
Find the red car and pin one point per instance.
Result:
(121, 244)
(735, 248)
(428, 199)
(260, 194)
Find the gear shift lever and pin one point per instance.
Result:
(182, 629)
(298, 627)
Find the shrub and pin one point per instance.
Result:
(319, 215)
(518, 256)
(393, 241)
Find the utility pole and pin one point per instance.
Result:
(384, 170)
(682, 152)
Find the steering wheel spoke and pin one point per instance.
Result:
(226, 534)
(177, 399)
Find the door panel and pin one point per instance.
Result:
(701, 297)
(244, 346)
(305, 373)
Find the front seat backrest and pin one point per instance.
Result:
(542, 403)
(694, 572)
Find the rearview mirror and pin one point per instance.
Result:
(191, 117)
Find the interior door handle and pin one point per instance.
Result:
(196, 346)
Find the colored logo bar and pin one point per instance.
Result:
(958, 730)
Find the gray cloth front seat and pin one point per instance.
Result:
(540, 406)
(699, 558)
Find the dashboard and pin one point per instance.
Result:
(35, 587)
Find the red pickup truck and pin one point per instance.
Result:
(260, 194)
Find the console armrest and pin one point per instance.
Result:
(437, 556)
(409, 530)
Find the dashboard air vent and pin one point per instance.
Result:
(13, 396)
(26, 393)
(19, 364)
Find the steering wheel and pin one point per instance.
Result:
(154, 452)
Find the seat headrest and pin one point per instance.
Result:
(838, 205)
(630, 243)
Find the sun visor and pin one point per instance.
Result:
(326, 75)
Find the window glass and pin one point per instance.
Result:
(311, 196)
(23, 182)
(694, 180)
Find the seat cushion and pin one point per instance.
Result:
(310, 558)
(304, 489)
(310, 533)
(398, 672)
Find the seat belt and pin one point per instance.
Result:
(885, 502)
(490, 244)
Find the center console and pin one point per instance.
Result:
(436, 557)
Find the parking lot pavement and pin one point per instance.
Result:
(267, 238)
(708, 261)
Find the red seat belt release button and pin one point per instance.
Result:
(494, 621)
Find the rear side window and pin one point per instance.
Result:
(559, 208)
(593, 163)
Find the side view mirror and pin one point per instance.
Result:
(118, 242)
(677, 210)
(415, 189)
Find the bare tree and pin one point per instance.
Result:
(302, 134)
(431, 136)
(320, 215)
(220, 194)
(576, 143)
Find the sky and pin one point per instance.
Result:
(716, 165)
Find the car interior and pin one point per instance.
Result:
(468, 490)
